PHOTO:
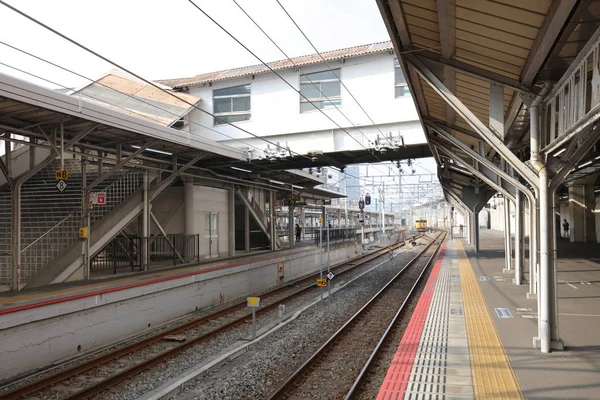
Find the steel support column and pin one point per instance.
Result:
(231, 220)
(519, 249)
(507, 240)
(291, 232)
(247, 229)
(16, 237)
(272, 225)
(145, 221)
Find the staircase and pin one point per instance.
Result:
(257, 213)
(50, 220)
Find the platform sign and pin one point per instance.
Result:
(503, 313)
(98, 198)
(253, 302)
(321, 282)
(62, 174)
(61, 186)
(484, 278)
(330, 275)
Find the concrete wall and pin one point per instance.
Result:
(35, 338)
(276, 113)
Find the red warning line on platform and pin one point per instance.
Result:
(398, 375)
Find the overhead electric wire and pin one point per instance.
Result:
(276, 73)
(74, 42)
(111, 88)
(300, 70)
(330, 69)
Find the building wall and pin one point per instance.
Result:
(212, 200)
(276, 107)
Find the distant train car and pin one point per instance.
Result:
(421, 225)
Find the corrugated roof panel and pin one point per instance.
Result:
(137, 98)
(477, 60)
(495, 22)
(495, 34)
(503, 11)
(423, 23)
(509, 48)
(430, 15)
(538, 6)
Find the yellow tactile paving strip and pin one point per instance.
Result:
(493, 376)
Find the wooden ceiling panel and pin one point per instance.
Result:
(537, 6)
(508, 48)
(499, 23)
(479, 61)
(494, 34)
(423, 23)
(502, 11)
(490, 53)
(420, 12)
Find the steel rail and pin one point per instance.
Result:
(44, 383)
(354, 388)
(306, 366)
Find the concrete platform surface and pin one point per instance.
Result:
(471, 334)
(570, 374)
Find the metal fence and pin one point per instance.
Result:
(335, 234)
(52, 242)
(125, 253)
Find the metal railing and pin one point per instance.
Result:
(577, 94)
(335, 234)
(125, 253)
(52, 242)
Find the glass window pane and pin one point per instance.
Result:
(310, 91)
(402, 91)
(331, 89)
(244, 89)
(307, 106)
(317, 76)
(331, 104)
(223, 119)
(399, 76)
(241, 103)
(222, 105)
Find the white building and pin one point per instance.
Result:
(258, 101)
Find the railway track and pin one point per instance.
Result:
(336, 369)
(104, 372)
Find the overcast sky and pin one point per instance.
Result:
(160, 39)
(171, 39)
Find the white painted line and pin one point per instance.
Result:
(573, 286)
(581, 315)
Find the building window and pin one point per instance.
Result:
(400, 85)
(319, 87)
(231, 104)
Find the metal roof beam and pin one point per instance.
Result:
(477, 72)
(549, 32)
(473, 121)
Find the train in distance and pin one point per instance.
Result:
(421, 225)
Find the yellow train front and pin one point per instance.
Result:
(421, 225)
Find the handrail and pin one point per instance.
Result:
(49, 230)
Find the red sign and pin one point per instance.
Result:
(101, 199)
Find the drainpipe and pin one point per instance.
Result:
(544, 271)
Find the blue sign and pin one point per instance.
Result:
(484, 278)
(503, 313)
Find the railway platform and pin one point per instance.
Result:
(470, 336)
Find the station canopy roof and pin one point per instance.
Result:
(468, 44)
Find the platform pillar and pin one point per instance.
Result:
(145, 221)
(519, 248)
(188, 204)
(16, 237)
(291, 227)
(507, 244)
(273, 224)
(231, 220)
(246, 229)
(85, 212)
(475, 231)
